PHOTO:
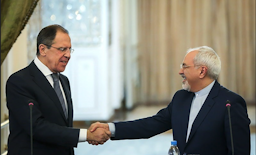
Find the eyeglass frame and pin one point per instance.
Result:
(184, 66)
(62, 49)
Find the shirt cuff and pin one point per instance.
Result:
(112, 129)
(82, 135)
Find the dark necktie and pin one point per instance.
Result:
(56, 86)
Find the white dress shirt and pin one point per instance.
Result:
(47, 73)
(197, 104)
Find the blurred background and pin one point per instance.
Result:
(127, 56)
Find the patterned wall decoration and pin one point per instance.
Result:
(80, 17)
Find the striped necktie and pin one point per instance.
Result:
(56, 86)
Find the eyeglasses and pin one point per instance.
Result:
(184, 66)
(62, 49)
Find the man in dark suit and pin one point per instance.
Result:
(197, 114)
(52, 113)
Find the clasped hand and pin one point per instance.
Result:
(98, 133)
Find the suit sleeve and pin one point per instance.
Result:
(240, 127)
(19, 92)
(145, 127)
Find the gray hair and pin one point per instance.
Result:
(208, 57)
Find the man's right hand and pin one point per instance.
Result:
(99, 136)
(98, 127)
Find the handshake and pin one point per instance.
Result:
(98, 133)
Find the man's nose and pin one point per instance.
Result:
(67, 54)
(181, 71)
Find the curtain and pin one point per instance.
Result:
(167, 28)
(14, 16)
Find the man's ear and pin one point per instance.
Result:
(42, 49)
(203, 71)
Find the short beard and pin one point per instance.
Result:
(186, 86)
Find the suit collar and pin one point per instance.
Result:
(205, 90)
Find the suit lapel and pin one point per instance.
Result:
(185, 112)
(67, 92)
(208, 104)
(44, 84)
(180, 109)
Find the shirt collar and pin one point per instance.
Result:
(206, 90)
(44, 69)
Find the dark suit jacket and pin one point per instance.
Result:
(210, 133)
(52, 133)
